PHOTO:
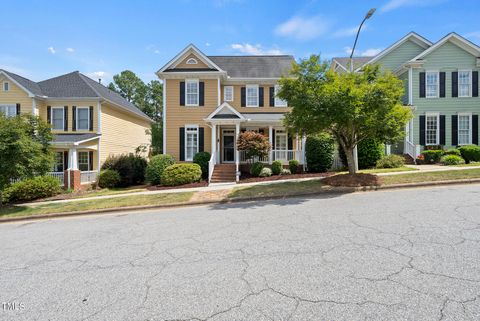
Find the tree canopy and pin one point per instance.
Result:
(350, 106)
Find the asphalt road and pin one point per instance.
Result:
(396, 255)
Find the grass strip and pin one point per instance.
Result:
(431, 176)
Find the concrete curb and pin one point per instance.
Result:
(330, 190)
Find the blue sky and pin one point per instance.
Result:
(42, 39)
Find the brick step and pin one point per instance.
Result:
(408, 159)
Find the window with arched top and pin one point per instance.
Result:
(192, 61)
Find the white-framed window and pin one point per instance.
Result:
(9, 110)
(83, 161)
(57, 118)
(191, 92)
(252, 95)
(464, 83)
(432, 84)
(6, 86)
(192, 61)
(279, 102)
(191, 141)
(432, 129)
(59, 166)
(83, 118)
(464, 129)
(228, 93)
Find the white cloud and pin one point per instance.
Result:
(365, 53)
(104, 76)
(396, 4)
(473, 34)
(348, 32)
(52, 50)
(257, 49)
(207, 44)
(303, 28)
(71, 50)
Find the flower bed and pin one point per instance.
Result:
(247, 178)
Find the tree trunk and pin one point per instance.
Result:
(350, 161)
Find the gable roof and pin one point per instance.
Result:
(268, 66)
(456, 39)
(29, 86)
(225, 111)
(68, 85)
(191, 48)
(344, 62)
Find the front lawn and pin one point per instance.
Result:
(431, 176)
(278, 189)
(77, 206)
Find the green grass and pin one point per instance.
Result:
(110, 191)
(387, 170)
(467, 165)
(278, 189)
(156, 199)
(431, 176)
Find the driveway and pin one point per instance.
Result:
(392, 255)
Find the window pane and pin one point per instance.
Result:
(432, 84)
(192, 92)
(228, 93)
(252, 96)
(279, 102)
(431, 130)
(191, 146)
(8, 110)
(58, 166)
(57, 118)
(83, 161)
(463, 130)
(464, 83)
(82, 118)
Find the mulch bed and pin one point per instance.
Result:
(159, 187)
(247, 178)
(355, 180)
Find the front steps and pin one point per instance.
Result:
(408, 159)
(223, 173)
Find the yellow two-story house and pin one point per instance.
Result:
(89, 121)
(209, 100)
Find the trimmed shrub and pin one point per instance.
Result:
(202, 159)
(277, 167)
(432, 156)
(256, 169)
(391, 161)
(265, 172)
(452, 151)
(32, 189)
(108, 178)
(156, 166)
(319, 152)
(130, 167)
(452, 160)
(293, 166)
(470, 153)
(369, 153)
(285, 172)
(181, 174)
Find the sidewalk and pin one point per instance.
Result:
(428, 169)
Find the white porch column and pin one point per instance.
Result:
(304, 139)
(388, 149)
(214, 143)
(72, 159)
(270, 140)
(237, 153)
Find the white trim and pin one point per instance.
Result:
(436, 114)
(438, 83)
(99, 118)
(336, 63)
(410, 86)
(192, 61)
(246, 96)
(190, 47)
(225, 93)
(63, 118)
(470, 91)
(185, 140)
(192, 80)
(34, 107)
(88, 118)
(233, 133)
(86, 140)
(229, 107)
(164, 118)
(30, 94)
(88, 160)
(219, 92)
(462, 43)
(470, 132)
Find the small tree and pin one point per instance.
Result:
(351, 106)
(254, 144)
(24, 149)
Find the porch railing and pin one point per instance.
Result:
(412, 149)
(244, 159)
(88, 177)
(211, 166)
(282, 155)
(57, 175)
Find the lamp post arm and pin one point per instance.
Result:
(355, 44)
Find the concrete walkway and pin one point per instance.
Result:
(429, 168)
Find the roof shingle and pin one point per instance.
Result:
(254, 66)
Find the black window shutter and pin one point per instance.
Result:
(182, 93)
(422, 130)
(74, 118)
(454, 130)
(182, 143)
(90, 160)
(65, 160)
(201, 139)
(442, 129)
(18, 109)
(243, 97)
(442, 84)
(290, 142)
(475, 84)
(49, 114)
(454, 84)
(272, 96)
(475, 129)
(422, 85)
(260, 97)
(65, 118)
(201, 93)
(91, 118)
(273, 138)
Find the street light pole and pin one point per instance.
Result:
(367, 16)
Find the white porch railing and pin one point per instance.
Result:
(244, 159)
(282, 155)
(88, 177)
(58, 175)
(412, 149)
(211, 166)
(337, 161)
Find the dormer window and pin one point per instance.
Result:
(6, 86)
(192, 61)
